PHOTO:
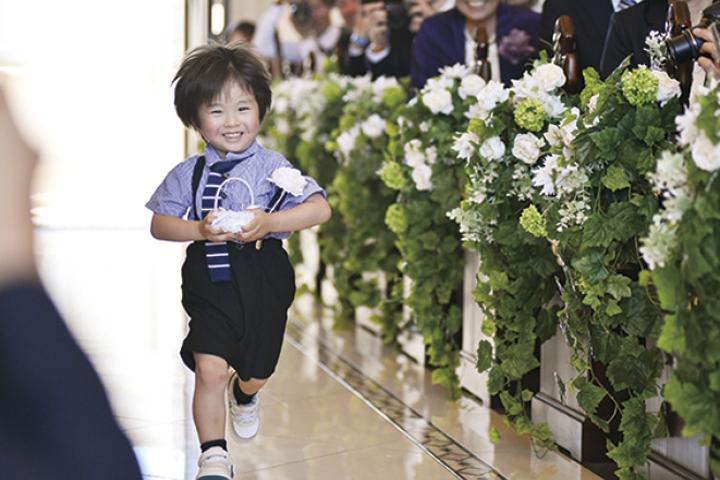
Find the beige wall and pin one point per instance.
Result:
(249, 10)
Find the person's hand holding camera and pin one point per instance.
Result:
(418, 11)
(709, 58)
(372, 25)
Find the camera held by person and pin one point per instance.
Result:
(687, 46)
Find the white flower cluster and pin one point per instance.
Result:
(705, 153)
(669, 181)
(543, 84)
(656, 49)
(420, 162)
(568, 185)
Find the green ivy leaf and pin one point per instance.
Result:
(608, 141)
(495, 436)
(619, 286)
(588, 394)
(615, 178)
(672, 335)
(485, 355)
(591, 267)
(597, 231)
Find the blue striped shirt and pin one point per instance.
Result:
(174, 196)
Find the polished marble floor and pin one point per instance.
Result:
(341, 405)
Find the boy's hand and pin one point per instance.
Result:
(214, 234)
(258, 227)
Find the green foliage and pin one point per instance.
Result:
(688, 282)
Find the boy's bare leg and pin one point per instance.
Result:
(252, 386)
(211, 374)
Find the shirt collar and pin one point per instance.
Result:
(212, 157)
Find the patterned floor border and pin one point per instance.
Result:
(447, 451)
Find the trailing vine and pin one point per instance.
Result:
(683, 246)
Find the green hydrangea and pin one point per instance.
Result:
(393, 96)
(533, 222)
(332, 91)
(395, 218)
(640, 86)
(530, 115)
(392, 174)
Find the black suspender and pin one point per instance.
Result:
(197, 174)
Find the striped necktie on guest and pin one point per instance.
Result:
(218, 260)
(625, 4)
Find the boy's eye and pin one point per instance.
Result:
(244, 109)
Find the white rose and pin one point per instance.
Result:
(705, 155)
(471, 86)
(380, 85)
(421, 176)
(492, 149)
(456, 71)
(413, 156)
(527, 147)
(667, 87)
(374, 126)
(549, 77)
(477, 111)
(346, 140)
(465, 145)
(438, 101)
(289, 179)
(492, 94)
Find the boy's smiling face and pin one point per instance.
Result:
(231, 122)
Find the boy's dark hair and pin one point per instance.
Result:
(204, 72)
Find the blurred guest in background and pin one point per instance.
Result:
(449, 38)
(297, 36)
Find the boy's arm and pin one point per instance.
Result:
(167, 227)
(313, 211)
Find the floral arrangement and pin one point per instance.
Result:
(429, 180)
(681, 251)
(364, 247)
(600, 204)
(510, 132)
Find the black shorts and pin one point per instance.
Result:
(243, 320)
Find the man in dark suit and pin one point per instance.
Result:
(628, 30)
(590, 18)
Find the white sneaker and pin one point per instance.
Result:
(245, 418)
(215, 464)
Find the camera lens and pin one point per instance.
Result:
(397, 16)
(684, 47)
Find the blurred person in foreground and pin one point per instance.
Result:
(55, 418)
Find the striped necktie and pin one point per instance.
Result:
(218, 260)
(625, 4)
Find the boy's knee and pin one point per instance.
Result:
(210, 370)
